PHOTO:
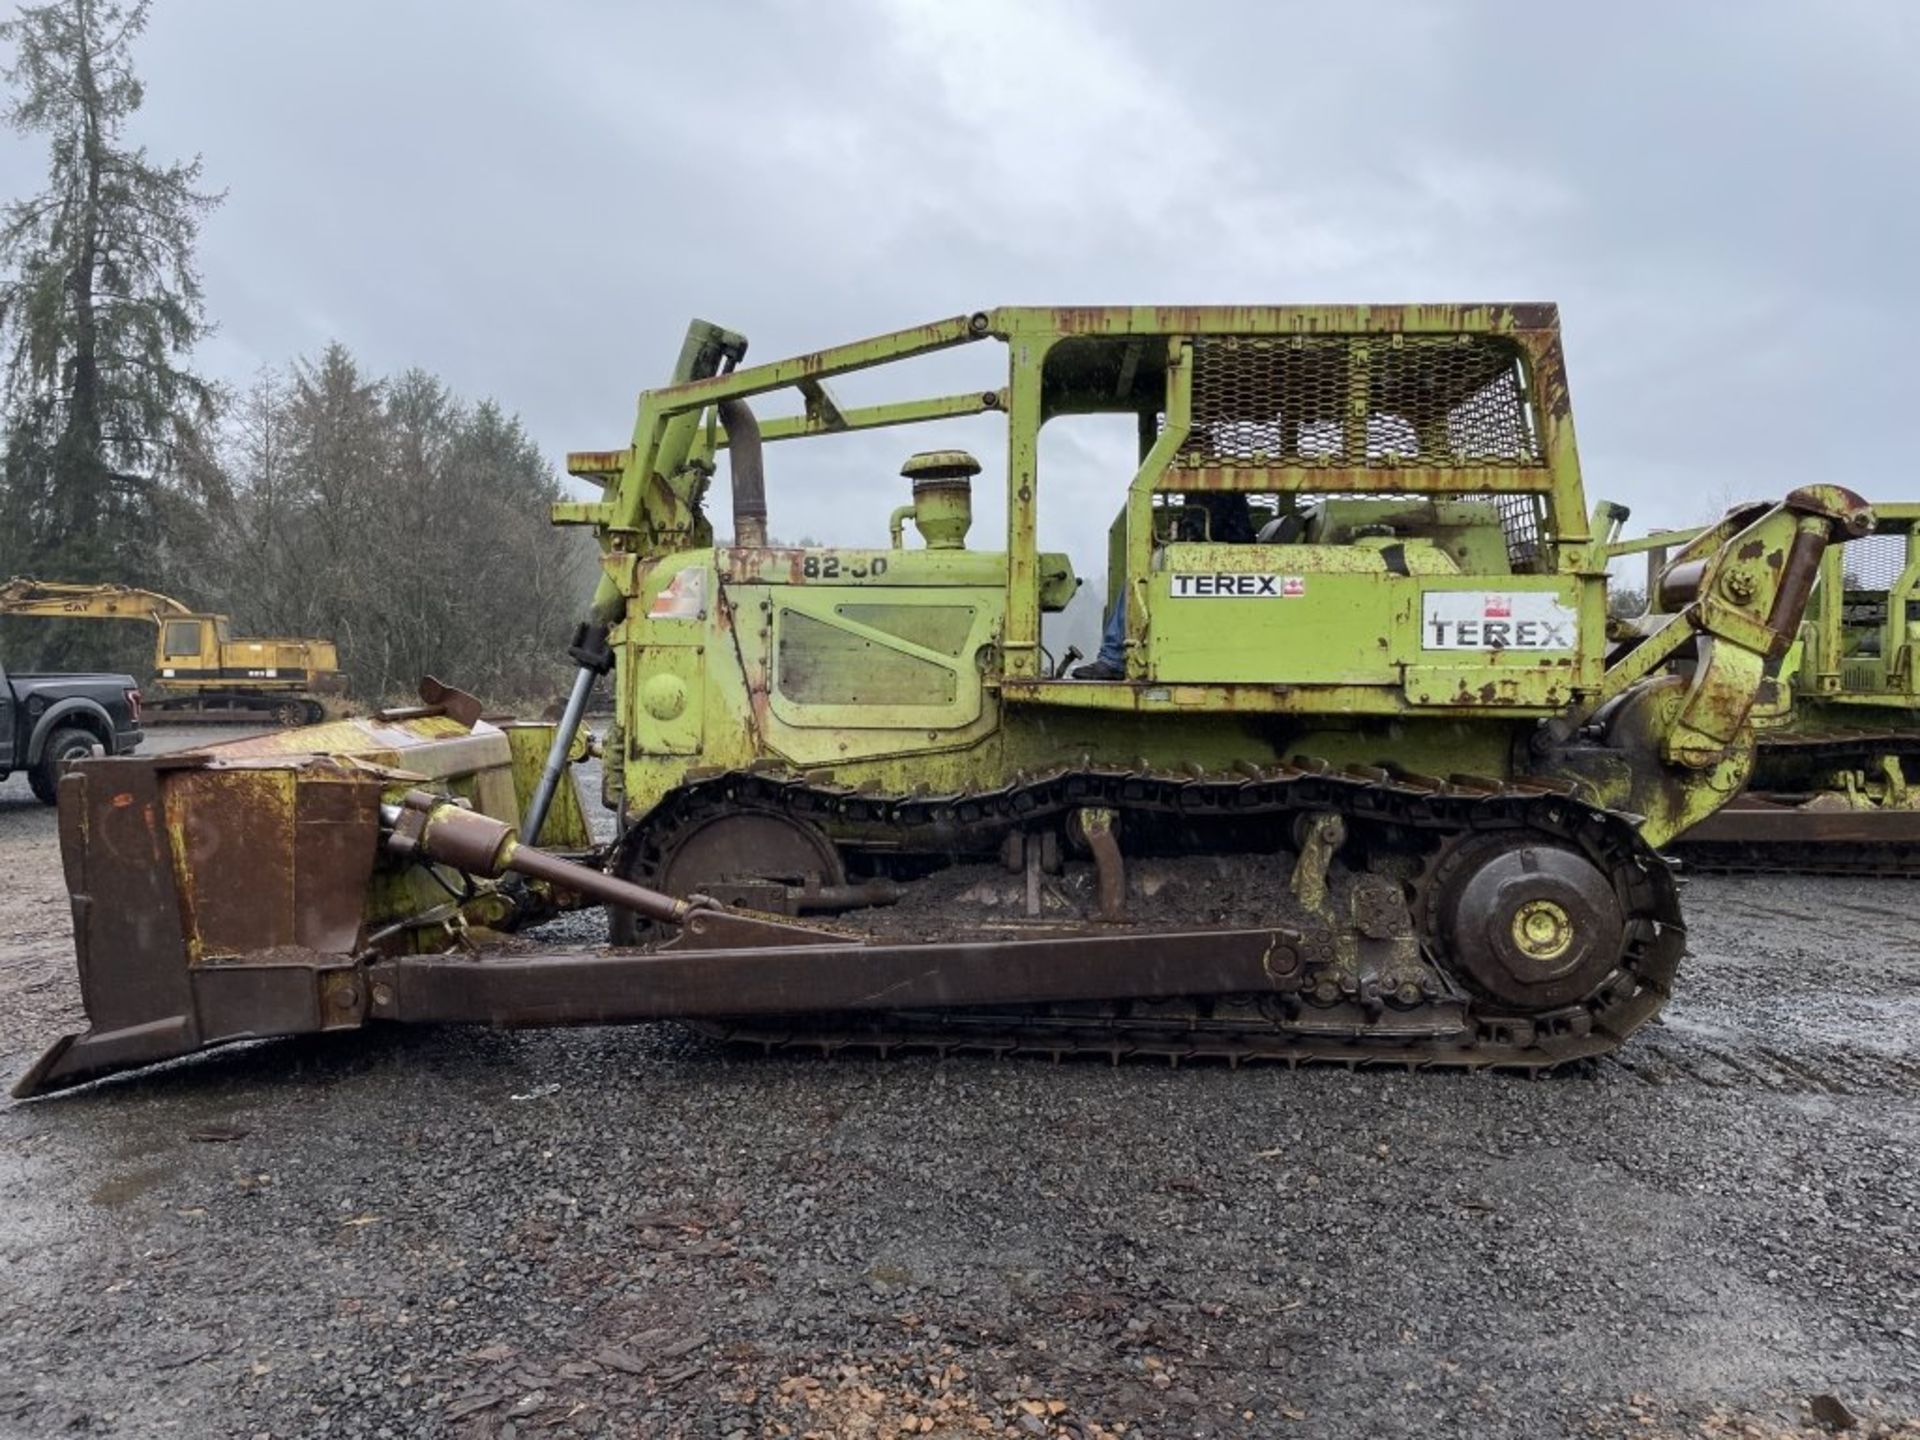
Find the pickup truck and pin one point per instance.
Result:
(46, 720)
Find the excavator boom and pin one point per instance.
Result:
(59, 600)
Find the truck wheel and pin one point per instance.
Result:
(62, 746)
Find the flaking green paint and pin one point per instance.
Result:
(1337, 669)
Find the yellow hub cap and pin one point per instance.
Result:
(1542, 930)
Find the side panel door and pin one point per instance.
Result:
(845, 658)
(669, 699)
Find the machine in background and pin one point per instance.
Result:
(201, 674)
(1836, 781)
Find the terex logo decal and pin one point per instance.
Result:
(1227, 585)
(1502, 620)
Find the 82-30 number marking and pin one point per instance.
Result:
(828, 567)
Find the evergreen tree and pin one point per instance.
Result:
(100, 307)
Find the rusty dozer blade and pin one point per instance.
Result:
(226, 896)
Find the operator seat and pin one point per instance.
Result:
(1287, 529)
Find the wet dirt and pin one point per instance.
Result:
(633, 1231)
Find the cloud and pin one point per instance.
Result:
(533, 200)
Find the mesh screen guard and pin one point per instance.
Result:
(1443, 401)
(1381, 402)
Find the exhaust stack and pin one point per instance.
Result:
(749, 474)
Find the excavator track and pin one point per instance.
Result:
(1764, 832)
(1454, 1030)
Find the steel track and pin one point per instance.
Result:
(1458, 1032)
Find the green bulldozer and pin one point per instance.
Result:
(1836, 781)
(1367, 782)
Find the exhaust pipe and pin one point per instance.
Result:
(749, 474)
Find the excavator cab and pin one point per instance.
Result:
(189, 648)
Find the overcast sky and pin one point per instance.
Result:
(531, 200)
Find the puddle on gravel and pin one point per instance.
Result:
(124, 1189)
(156, 1142)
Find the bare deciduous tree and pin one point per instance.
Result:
(401, 522)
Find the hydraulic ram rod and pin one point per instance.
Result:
(440, 830)
(543, 793)
(591, 653)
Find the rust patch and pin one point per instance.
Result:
(1752, 550)
(597, 465)
(1535, 315)
(1550, 369)
(1521, 479)
(1494, 318)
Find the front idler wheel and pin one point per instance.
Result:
(1534, 926)
(745, 856)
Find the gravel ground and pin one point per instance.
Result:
(636, 1232)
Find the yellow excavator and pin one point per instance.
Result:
(200, 672)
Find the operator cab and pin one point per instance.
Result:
(1265, 508)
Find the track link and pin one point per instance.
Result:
(1453, 1032)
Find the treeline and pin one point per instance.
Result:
(390, 516)
(403, 522)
